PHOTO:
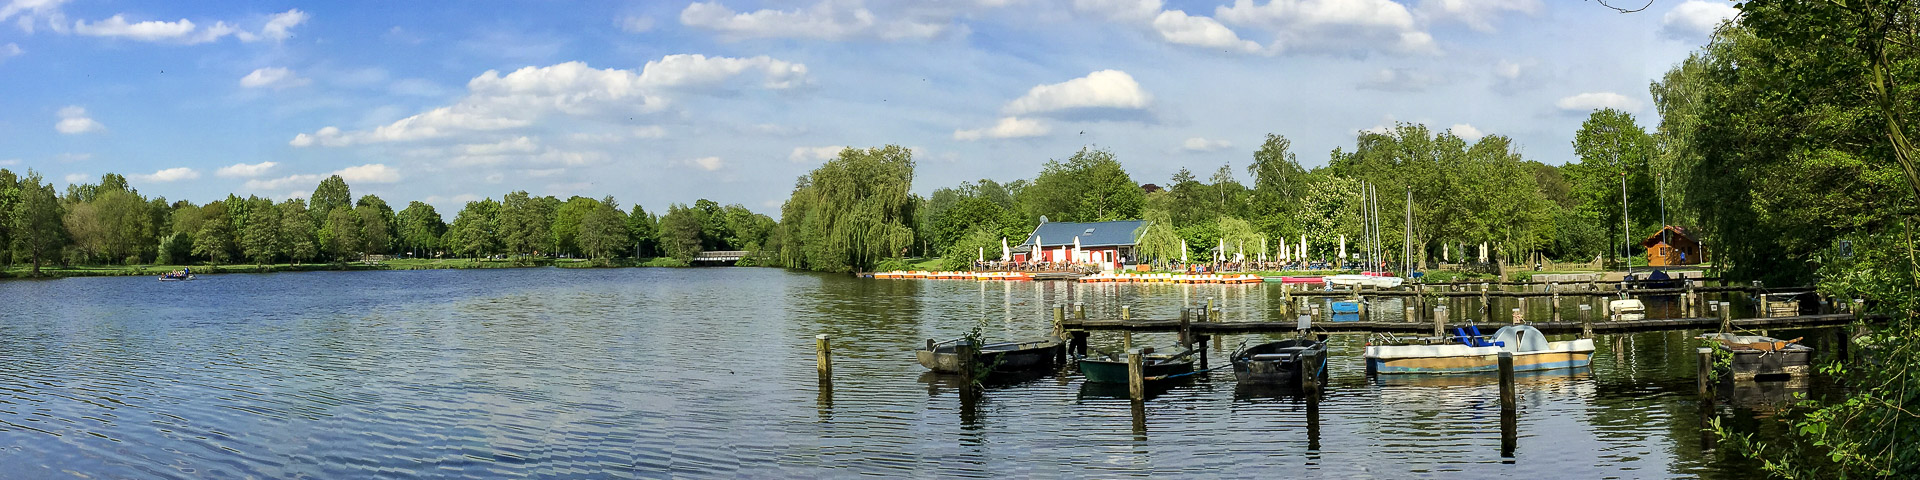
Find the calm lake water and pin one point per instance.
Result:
(709, 373)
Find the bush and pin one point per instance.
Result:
(892, 264)
(665, 262)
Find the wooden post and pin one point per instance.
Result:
(1440, 321)
(1126, 339)
(1059, 321)
(1286, 300)
(1186, 331)
(1555, 288)
(1766, 307)
(1486, 307)
(1690, 308)
(1080, 311)
(1726, 317)
(1202, 341)
(1518, 316)
(1412, 313)
(1586, 321)
(1507, 401)
(1136, 376)
(1310, 376)
(1207, 316)
(1706, 370)
(1079, 345)
(823, 356)
(965, 351)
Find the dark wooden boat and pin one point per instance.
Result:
(1284, 362)
(1757, 356)
(944, 357)
(1113, 369)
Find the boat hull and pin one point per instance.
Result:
(1004, 357)
(1450, 359)
(1113, 371)
(1756, 356)
(1279, 363)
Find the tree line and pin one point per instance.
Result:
(110, 222)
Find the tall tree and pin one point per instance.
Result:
(1089, 187)
(215, 240)
(331, 194)
(341, 237)
(1278, 181)
(566, 223)
(260, 240)
(850, 212)
(1612, 149)
(36, 222)
(475, 230)
(526, 223)
(642, 230)
(603, 231)
(299, 238)
(420, 228)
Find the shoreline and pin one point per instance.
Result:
(23, 272)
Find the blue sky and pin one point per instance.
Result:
(660, 102)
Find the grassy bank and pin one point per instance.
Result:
(54, 271)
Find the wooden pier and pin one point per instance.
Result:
(1423, 328)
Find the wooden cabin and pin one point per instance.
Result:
(1672, 246)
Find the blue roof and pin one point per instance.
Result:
(1091, 234)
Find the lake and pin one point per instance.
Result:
(709, 373)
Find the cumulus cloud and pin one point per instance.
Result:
(1476, 14)
(32, 11)
(242, 170)
(497, 102)
(276, 77)
(1695, 18)
(279, 27)
(1103, 89)
(168, 175)
(635, 24)
(1466, 132)
(1176, 26)
(77, 178)
(1009, 127)
(1597, 100)
(10, 50)
(1332, 26)
(814, 154)
(1399, 80)
(369, 173)
(1199, 144)
(74, 121)
(827, 20)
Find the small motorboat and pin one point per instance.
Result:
(1346, 311)
(1474, 353)
(944, 357)
(1280, 363)
(1364, 280)
(180, 276)
(1629, 310)
(1755, 356)
(1113, 368)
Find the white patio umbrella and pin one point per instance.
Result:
(1263, 250)
(1076, 249)
(1303, 245)
(1343, 248)
(1005, 253)
(1183, 250)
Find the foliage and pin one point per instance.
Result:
(332, 193)
(36, 228)
(340, 236)
(1278, 184)
(603, 231)
(525, 223)
(299, 240)
(215, 240)
(1612, 148)
(261, 240)
(960, 254)
(475, 232)
(849, 213)
(1158, 242)
(1089, 187)
(420, 228)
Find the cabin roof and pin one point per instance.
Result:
(1678, 232)
(1091, 234)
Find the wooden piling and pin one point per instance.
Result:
(1136, 379)
(965, 350)
(1202, 341)
(1440, 321)
(1508, 402)
(1705, 377)
(1726, 317)
(1207, 316)
(1688, 306)
(1079, 344)
(1555, 288)
(823, 356)
(1310, 375)
(1080, 311)
(1586, 321)
(1059, 318)
(1186, 330)
(1518, 316)
(1486, 307)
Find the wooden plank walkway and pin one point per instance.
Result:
(1565, 292)
(1426, 328)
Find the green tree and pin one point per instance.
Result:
(36, 222)
(1089, 187)
(1159, 243)
(299, 238)
(375, 233)
(475, 230)
(849, 213)
(260, 241)
(603, 231)
(341, 235)
(215, 240)
(526, 223)
(1612, 147)
(566, 223)
(643, 231)
(680, 232)
(420, 228)
(331, 194)
(1278, 183)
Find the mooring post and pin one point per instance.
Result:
(1518, 316)
(1555, 288)
(1186, 331)
(1286, 300)
(823, 356)
(1691, 308)
(1486, 306)
(1706, 370)
(1079, 345)
(1439, 321)
(1507, 401)
(1202, 341)
(1412, 313)
(1126, 339)
(1766, 307)
(1310, 376)
(1059, 321)
(1207, 316)
(1080, 311)
(965, 350)
(1136, 379)
(1586, 321)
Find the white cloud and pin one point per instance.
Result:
(1466, 132)
(74, 121)
(1009, 127)
(279, 26)
(1597, 100)
(276, 77)
(814, 154)
(168, 175)
(10, 50)
(242, 170)
(695, 70)
(635, 24)
(1695, 18)
(1332, 25)
(182, 31)
(1177, 27)
(649, 131)
(828, 20)
(77, 178)
(1102, 89)
(369, 173)
(1399, 80)
(1198, 144)
(706, 163)
(1134, 10)
(9, 162)
(1476, 14)
(1507, 70)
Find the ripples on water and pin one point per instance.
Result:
(708, 373)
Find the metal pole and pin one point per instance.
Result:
(1626, 230)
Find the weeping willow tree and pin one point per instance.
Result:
(1239, 236)
(1156, 239)
(850, 213)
